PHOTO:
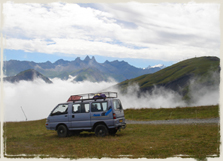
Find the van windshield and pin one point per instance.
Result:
(60, 109)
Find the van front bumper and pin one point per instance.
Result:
(49, 126)
(121, 126)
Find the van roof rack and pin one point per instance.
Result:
(89, 96)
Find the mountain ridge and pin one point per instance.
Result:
(27, 75)
(177, 77)
(117, 70)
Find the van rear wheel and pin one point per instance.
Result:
(62, 131)
(101, 130)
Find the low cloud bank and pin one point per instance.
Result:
(158, 98)
(202, 91)
(38, 98)
(208, 94)
(164, 98)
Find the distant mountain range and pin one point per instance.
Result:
(87, 69)
(178, 76)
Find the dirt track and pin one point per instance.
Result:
(178, 121)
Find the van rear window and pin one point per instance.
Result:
(99, 106)
(117, 104)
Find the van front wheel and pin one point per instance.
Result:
(62, 131)
(101, 130)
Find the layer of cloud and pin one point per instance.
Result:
(126, 30)
(165, 98)
(38, 98)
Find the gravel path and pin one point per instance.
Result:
(177, 121)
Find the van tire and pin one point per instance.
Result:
(62, 131)
(101, 130)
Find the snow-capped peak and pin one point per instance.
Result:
(161, 66)
(158, 65)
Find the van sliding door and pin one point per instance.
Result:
(80, 116)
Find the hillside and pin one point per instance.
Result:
(117, 70)
(27, 75)
(177, 76)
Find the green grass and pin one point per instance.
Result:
(148, 114)
(136, 141)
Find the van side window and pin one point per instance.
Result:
(104, 106)
(81, 108)
(99, 106)
(86, 107)
(77, 108)
(60, 109)
(117, 105)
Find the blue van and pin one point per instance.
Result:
(99, 113)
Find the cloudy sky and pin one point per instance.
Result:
(140, 33)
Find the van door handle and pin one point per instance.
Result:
(65, 115)
(73, 116)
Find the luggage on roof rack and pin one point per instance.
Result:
(99, 96)
(74, 98)
(92, 96)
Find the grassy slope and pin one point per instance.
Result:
(147, 114)
(195, 66)
(136, 141)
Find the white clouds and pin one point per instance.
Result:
(39, 98)
(159, 98)
(152, 31)
(173, 25)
